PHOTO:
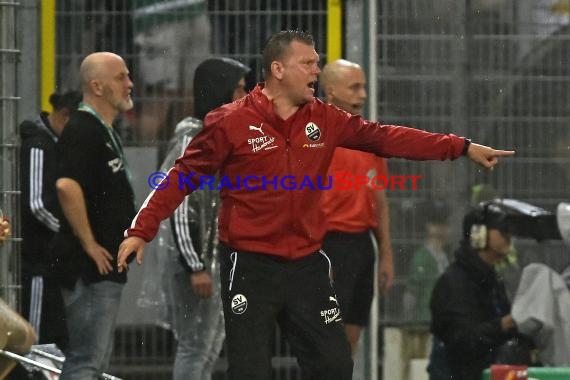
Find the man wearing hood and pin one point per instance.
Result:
(189, 240)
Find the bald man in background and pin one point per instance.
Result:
(96, 197)
(357, 216)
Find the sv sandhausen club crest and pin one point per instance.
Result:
(239, 304)
(312, 131)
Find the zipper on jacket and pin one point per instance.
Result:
(292, 206)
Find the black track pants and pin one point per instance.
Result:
(258, 291)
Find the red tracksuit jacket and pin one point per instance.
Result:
(247, 138)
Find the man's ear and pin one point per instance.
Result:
(96, 87)
(277, 69)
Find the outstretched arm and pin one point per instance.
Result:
(409, 143)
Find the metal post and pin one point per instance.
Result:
(370, 57)
(38, 364)
(459, 98)
(9, 54)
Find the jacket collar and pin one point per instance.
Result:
(266, 107)
(42, 121)
(476, 269)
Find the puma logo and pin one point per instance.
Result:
(254, 128)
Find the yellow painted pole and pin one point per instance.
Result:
(47, 52)
(334, 30)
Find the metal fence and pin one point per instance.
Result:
(496, 71)
(164, 41)
(9, 53)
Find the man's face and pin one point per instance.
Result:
(499, 242)
(439, 231)
(117, 86)
(348, 92)
(300, 70)
(60, 117)
(239, 90)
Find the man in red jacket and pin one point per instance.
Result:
(270, 149)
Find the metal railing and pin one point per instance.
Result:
(9, 187)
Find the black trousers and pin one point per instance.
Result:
(42, 306)
(352, 256)
(260, 290)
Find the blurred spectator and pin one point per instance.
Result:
(87, 26)
(242, 27)
(429, 261)
(540, 18)
(427, 264)
(172, 37)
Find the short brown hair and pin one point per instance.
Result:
(279, 42)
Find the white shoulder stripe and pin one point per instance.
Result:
(181, 224)
(36, 191)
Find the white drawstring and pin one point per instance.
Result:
(330, 265)
(233, 258)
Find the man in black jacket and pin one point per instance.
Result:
(469, 307)
(42, 305)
